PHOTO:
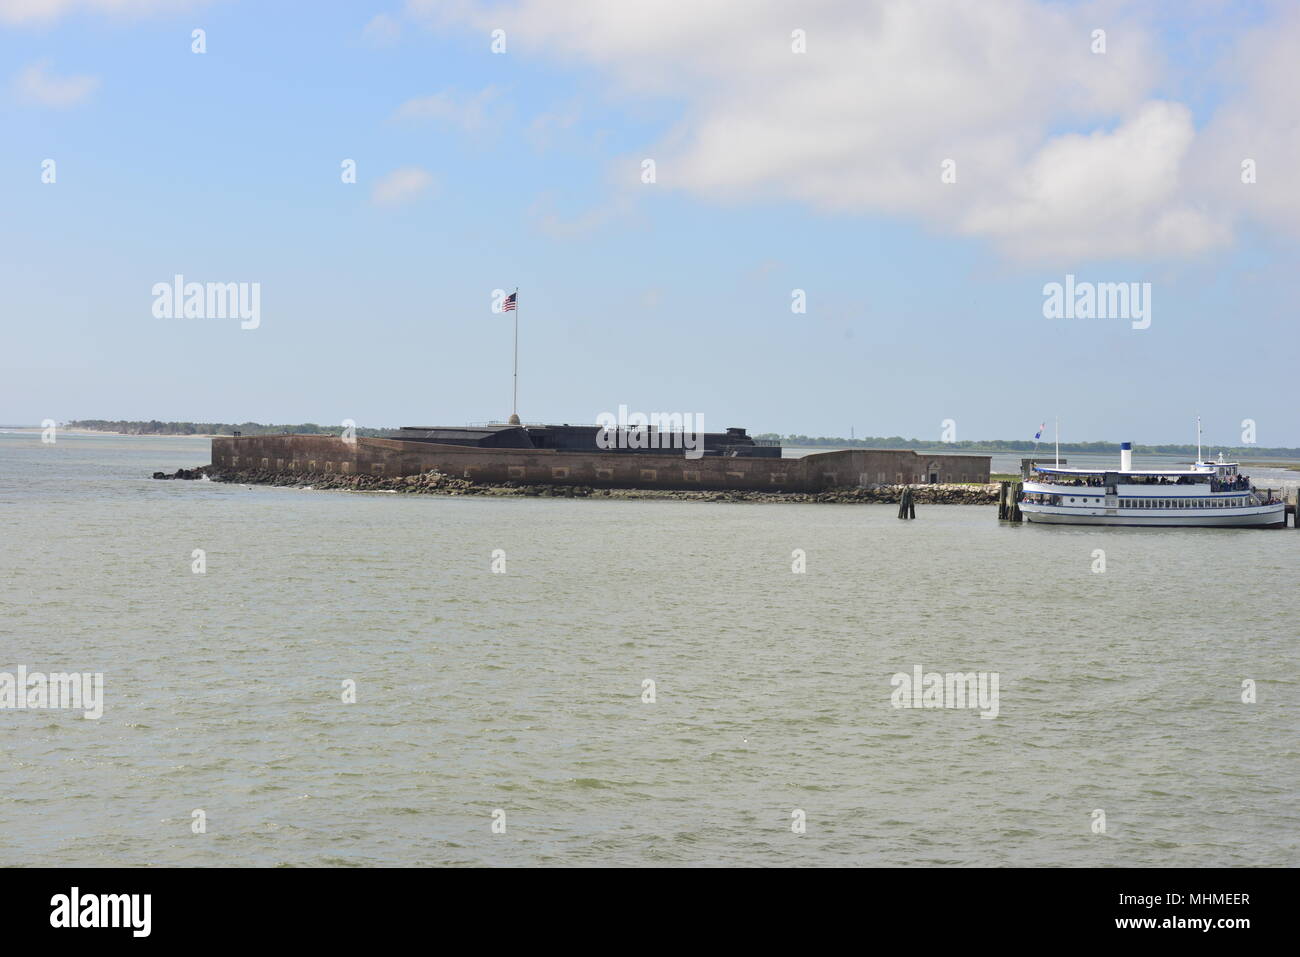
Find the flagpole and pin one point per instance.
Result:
(514, 402)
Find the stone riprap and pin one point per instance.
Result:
(437, 483)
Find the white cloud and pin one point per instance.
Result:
(1060, 152)
(381, 31)
(1259, 121)
(545, 215)
(546, 127)
(402, 185)
(1115, 193)
(473, 112)
(44, 11)
(36, 84)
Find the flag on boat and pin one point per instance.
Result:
(1039, 434)
(509, 304)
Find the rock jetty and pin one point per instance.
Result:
(438, 483)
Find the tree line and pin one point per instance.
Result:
(1020, 445)
(154, 427)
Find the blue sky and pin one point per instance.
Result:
(670, 296)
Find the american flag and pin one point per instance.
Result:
(509, 304)
(1039, 433)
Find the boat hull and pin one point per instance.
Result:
(1258, 516)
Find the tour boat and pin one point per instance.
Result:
(1207, 494)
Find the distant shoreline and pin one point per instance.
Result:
(1276, 457)
(37, 430)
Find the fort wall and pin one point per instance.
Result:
(388, 458)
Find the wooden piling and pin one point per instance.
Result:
(1009, 501)
(907, 504)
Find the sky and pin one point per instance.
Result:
(915, 173)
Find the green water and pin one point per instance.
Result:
(522, 692)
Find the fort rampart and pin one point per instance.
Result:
(388, 458)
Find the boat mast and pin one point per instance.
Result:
(1198, 439)
(1058, 441)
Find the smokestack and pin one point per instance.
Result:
(1126, 456)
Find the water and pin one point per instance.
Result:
(522, 691)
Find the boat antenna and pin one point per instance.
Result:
(1058, 441)
(1198, 439)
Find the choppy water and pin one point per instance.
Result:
(522, 691)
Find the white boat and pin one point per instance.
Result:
(1207, 494)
